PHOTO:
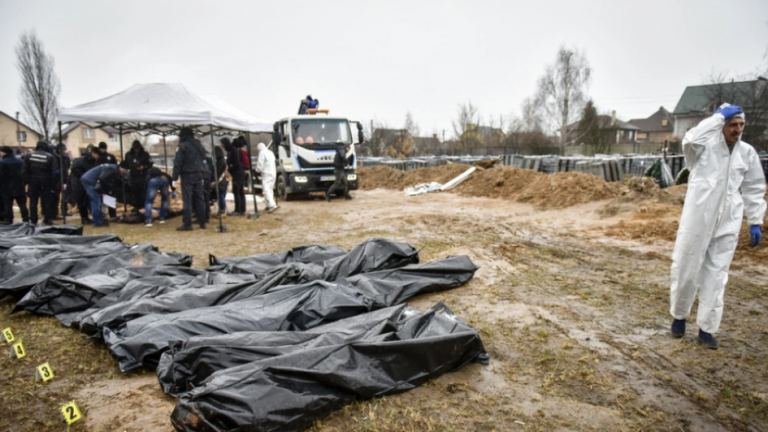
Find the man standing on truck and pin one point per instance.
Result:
(340, 163)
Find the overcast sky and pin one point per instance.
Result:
(378, 60)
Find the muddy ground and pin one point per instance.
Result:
(571, 301)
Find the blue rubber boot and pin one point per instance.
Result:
(707, 339)
(678, 328)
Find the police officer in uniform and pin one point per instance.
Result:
(60, 188)
(41, 169)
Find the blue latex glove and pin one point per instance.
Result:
(729, 111)
(173, 195)
(757, 236)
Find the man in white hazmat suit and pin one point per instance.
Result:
(266, 166)
(720, 165)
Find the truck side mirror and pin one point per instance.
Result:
(360, 136)
(276, 137)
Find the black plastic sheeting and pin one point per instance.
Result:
(296, 379)
(35, 264)
(264, 342)
(55, 239)
(142, 339)
(386, 287)
(26, 229)
(371, 255)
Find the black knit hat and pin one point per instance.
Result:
(7, 150)
(103, 145)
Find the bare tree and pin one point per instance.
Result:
(39, 84)
(525, 134)
(465, 128)
(411, 126)
(562, 89)
(377, 143)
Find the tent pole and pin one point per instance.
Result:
(165, 151)
(215, 180)
(61, 170)
(250, 174)
(122, 181)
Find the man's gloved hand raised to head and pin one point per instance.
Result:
(729, 111)
(756, 235)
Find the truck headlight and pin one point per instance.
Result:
(351, 177)
(300, 179)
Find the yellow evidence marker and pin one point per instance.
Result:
(71, 412)
(44, 372)
(17, 350)
(8, 335)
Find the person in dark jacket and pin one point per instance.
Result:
(189, 165)
(98, 181)
(60, 188)
(340, 163)
(76, 194)
(104, 156)
(12, 185)
(107, 158)
(139, 162)
(41, 169)
(237, 172)
(221, 171)
(158, 182)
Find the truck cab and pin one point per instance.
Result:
(305, 147)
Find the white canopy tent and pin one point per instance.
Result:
(156, 108)
(162, 109)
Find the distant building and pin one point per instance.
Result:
(78, 136)
(658, 127)
(614, 130)
(8, 128)
(700, 102)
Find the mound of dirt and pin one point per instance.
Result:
(487, 163)
(641, 190)
(390, 178)
(566, 189)
(544, 191)
(645, 231)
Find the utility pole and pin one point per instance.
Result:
(18, 132)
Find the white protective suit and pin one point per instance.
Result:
(711, 219)
(266, 166)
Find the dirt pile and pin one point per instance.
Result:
(543, 191)
(639, 191)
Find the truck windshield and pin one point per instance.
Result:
(320, 131)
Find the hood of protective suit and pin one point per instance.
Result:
(261, 147)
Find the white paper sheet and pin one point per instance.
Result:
(109, 201)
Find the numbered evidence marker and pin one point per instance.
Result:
(44, 372)
(8, 335)
(17, 350)
(71, 412)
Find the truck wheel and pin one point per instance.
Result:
(280, 189)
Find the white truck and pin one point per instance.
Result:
(305, 146)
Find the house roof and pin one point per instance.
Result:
(605, 123)
(698, 99)
(654, 122)
(69, 127)
(14, 119)
(489, 130)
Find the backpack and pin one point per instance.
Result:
(245, 161)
